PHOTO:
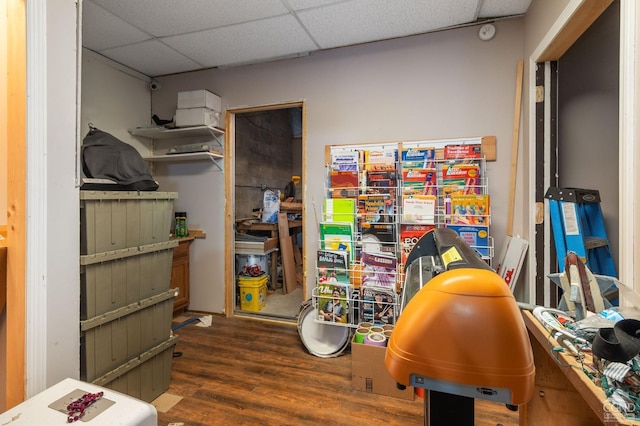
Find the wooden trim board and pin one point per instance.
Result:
(15, 109)
(286, 254)
(584, 16)
(229, 222)
(514, 147)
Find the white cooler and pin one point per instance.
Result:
(49, 408)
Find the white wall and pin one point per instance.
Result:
(114, 99)
(61, 278)
(200, 188)
(440, 85)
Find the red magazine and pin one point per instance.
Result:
(409, 236)
(452, 152)
(343, 179)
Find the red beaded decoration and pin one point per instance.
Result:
(77, 408)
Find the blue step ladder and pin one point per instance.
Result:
(578, 226)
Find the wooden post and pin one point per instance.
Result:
(15, 109)
(514, 149)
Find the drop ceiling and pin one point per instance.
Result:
(159, 37)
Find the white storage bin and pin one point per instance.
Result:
(199, 99)
(113, 408)
(197, 117)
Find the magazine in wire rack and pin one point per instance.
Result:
(378, 305)
(333, 303)
(379, 270)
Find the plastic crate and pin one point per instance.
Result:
(117, 337)
(114, 220)
(118, 278)
(146, 377)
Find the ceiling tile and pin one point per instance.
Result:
(494, 8)
(101, 30)
(151, 58)
(242, 43)
(361, 21)
(171, 17)
(308, 4)
(195, 34)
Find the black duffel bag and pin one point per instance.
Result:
(106, 157)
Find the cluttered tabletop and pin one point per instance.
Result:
(594, 361)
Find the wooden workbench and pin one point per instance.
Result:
(280, 238)
(564, 394)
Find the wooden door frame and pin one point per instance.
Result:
(575, 19)
(229, 179)
(629, 154)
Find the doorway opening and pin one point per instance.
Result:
(577, 139)
(266, 182)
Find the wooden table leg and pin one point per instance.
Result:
(274, 269)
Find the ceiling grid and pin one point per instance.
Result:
(159, 37)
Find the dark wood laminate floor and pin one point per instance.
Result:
(249, 372)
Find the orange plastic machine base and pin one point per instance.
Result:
(462, 333)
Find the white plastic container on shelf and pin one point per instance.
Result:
(113, 408)
(188, 117)
(199, 99)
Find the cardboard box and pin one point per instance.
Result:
(369, 373)
(196, 117)
(199, 99)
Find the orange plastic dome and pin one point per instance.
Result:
(464, 327)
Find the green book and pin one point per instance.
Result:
(336, 236)
(340, 210)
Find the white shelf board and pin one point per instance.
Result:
(191, 156)
(188, 156)
(182, 132)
